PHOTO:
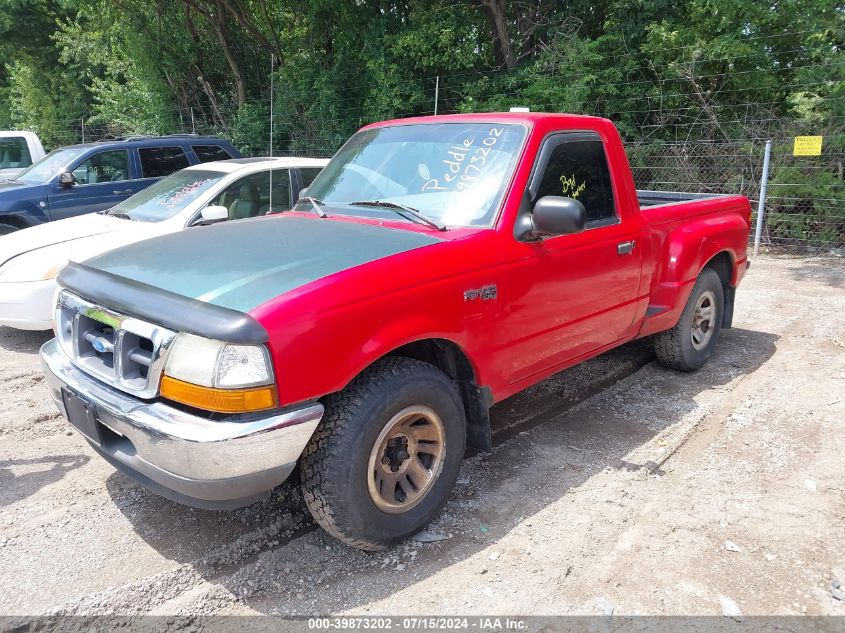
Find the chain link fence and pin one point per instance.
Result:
(804, 209)
(804, 205)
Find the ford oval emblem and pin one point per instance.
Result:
(99, 345)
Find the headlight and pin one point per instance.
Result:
(32, 266)
(240, 365)
(218, 376)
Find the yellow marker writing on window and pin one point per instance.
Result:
(570, 188)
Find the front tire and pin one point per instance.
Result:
(386, 454)
(688, 345)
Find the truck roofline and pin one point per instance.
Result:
(525, 118)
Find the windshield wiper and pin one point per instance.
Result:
(317, 205)
(116, 214)
(401, 209)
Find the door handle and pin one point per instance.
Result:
(119, 192)
(625, 248)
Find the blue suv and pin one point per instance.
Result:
(94, 176)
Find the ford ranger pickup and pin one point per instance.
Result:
(436, 266)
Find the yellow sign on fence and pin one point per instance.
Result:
(807, 146)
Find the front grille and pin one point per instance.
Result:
(123, 351)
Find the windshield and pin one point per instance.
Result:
(51, 165)
(168, 196)
(455, 173)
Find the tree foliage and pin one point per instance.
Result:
(664, 71)
(706, 69)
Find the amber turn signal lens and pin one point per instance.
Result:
(219, 400)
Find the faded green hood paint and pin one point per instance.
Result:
(240, 265)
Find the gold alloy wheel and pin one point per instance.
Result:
(406, 459)
(703, 319)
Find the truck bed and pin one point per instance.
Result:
(648, 198)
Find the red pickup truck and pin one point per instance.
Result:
(436, 266)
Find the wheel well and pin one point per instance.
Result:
(14, 220)
(723, 265)
(451, 359)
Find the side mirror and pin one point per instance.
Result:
(214, 213)
(302, 193)
(67, 179)
(556, 215)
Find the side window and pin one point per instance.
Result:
(309, 174)
(280, 186)
(14, 152)
(578, 169)
(251, 195)
(210, 153)
(111, 166)
(157, 162)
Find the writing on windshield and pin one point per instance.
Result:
(465, 163)
(454, 173)
(168, 196)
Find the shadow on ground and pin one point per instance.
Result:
(23, 341)
(39, 473)
(525, 473)
(827, 270)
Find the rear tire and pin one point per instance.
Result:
(385, 456)
(688, 345)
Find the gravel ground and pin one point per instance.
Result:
(615, 487)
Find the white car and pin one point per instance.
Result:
(18, 150)
(234, 189)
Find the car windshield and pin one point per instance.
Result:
(168, 196)
(454, 173)
(51, 165)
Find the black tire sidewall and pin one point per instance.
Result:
(707, 280)
(360, 516)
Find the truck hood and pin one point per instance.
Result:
(69, 235)
(240, 265)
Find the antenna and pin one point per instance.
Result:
(272, 63)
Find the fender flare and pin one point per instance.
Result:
(688, 249)
(685, 253)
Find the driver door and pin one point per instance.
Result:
(102, 180)
(574, 294)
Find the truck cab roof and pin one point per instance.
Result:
(526, 118)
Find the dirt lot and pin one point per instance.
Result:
(616, 487)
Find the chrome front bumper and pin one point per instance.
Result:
(188, 458)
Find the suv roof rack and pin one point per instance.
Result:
(146, 137)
